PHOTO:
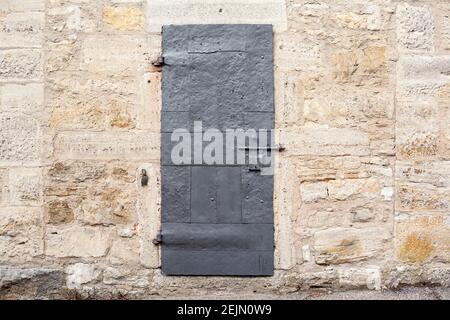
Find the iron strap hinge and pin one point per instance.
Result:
(158, 239)
(159, 62)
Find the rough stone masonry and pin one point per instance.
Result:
(362, 192)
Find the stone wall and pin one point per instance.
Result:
(362, 191)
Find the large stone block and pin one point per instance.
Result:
(108, 146)
(119, 54)
(94, 193)
(415, 27)
(22, 29)
(21, 233)
(149, 216)
(19, 140)
(92, 102)
(79, 274)
(20, 64)
(160, 12)
(346, 245)
(422, 197)
(78, 241)
(25, 186)
(123, 18)
(22, 5)
(325, 141)
(26, 98)
(422, 238)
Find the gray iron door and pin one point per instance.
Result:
(217, 219)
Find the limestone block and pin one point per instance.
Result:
(76, 102)
(19, 29)
(78, 241)
(149, 108)
(26, 98)
(415, 27)
(289, 99)
(286, 208)
(21, 233)
(149, 215)
(160, 12)
(312, 192)
(369, 278)
(123, 276)
(423, 71)
(79, 274)
(20, 64)
(23, 5)
(66, 20)
(422, 197)
(123, 18)
(119, 54)
(292, 52)
(325, 141)
(346, 245)
(25, 186)
(124, 251)
(19, 140)
(436, 173)
(107, 146)
(366, 67)
(4, 182)
(421, 238)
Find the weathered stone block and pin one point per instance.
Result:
(31, 283)
(128, 277)
(364, 67)
(123, 18)
(149, 217)
(21, 233)
(92, 102)
(422, 197)
(26, 98)
(25, 186)
(312, 192)
(415, 27)
(107, 146)
(149, 110)
(78, 241)
(19, 139)
(119, 54)
(66, 20)
(23, 5)
(160, 12)
(369, 278)
(79, 274)
(124, 251)
(22, 29)
(20, 64)
(422, 238)
(346, 245)
(326, 141)
(58, 212)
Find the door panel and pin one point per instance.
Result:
(217, 219)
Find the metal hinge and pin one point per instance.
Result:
(158, 239)
(158, 62)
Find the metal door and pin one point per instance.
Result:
(216, 219)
